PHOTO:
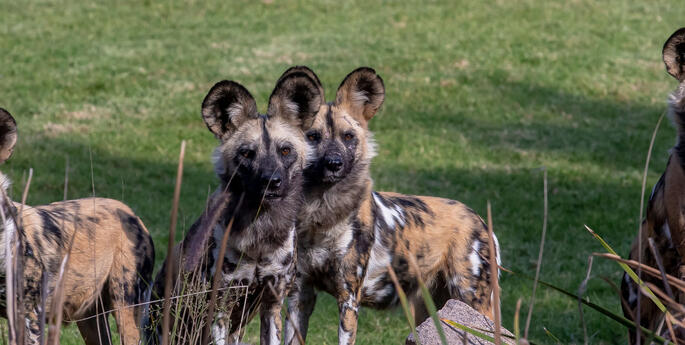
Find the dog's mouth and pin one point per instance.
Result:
(273, 195)
(331, 178)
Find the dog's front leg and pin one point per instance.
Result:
(348, 304)
(275, 291)
(32, 303)
(354, 270)
(301, 303)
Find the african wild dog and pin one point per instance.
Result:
(259, 161)
(348, 233)
(111, 258)
(665, 220)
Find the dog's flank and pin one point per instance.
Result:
(112, 257)
(348, 234)
(259, 162)
(664, 222)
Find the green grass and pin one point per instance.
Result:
(480, 95)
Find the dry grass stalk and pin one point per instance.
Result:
(669, 324)
(542, 247)
(494, 274)
(665, 298)
(517, 329)
(679, 284)
(170, 248)
(660, 265)
(639, 221)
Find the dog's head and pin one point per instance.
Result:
(264, 154)
(339, 133)
(673, 55)
(8, 135)
(8, 138)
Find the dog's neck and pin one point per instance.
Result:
(9, 226)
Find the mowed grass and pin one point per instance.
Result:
(480, 97)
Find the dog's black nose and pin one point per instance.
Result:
(334, 163)
(272, 180)
(275, 182)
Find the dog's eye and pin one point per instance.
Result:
(285, 151)
(313, 136)
(348, 136)
(247, 153)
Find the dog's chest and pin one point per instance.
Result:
(252, 268)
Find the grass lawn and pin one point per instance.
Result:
(480, 97)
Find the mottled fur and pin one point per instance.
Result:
(111, 259)
(348, 234)
(665, 221)
(259, 161)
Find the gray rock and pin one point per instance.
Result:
(459, 312)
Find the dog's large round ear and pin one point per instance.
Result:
(296, 98)
(674, 54)
(309, 72)
(8, 135)
(361, 93)
(226, 106)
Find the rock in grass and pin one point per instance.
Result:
(463, 314)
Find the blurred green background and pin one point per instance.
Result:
(480, 96)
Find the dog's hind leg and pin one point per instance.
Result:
(95, 330)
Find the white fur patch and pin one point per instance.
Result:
(343, 336)
(289, 330)
(371, 146)
(392, 215)
(9, 227)
(219, 331)
(474, 258)
(291, 107)
(273, 332)
(376, 270)
(632, 290)
(236, 109)
(351, 304)
(497, 255)
(359, 97)
(667, 232)
(318, 256)
(5, 183)
(343, 242)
